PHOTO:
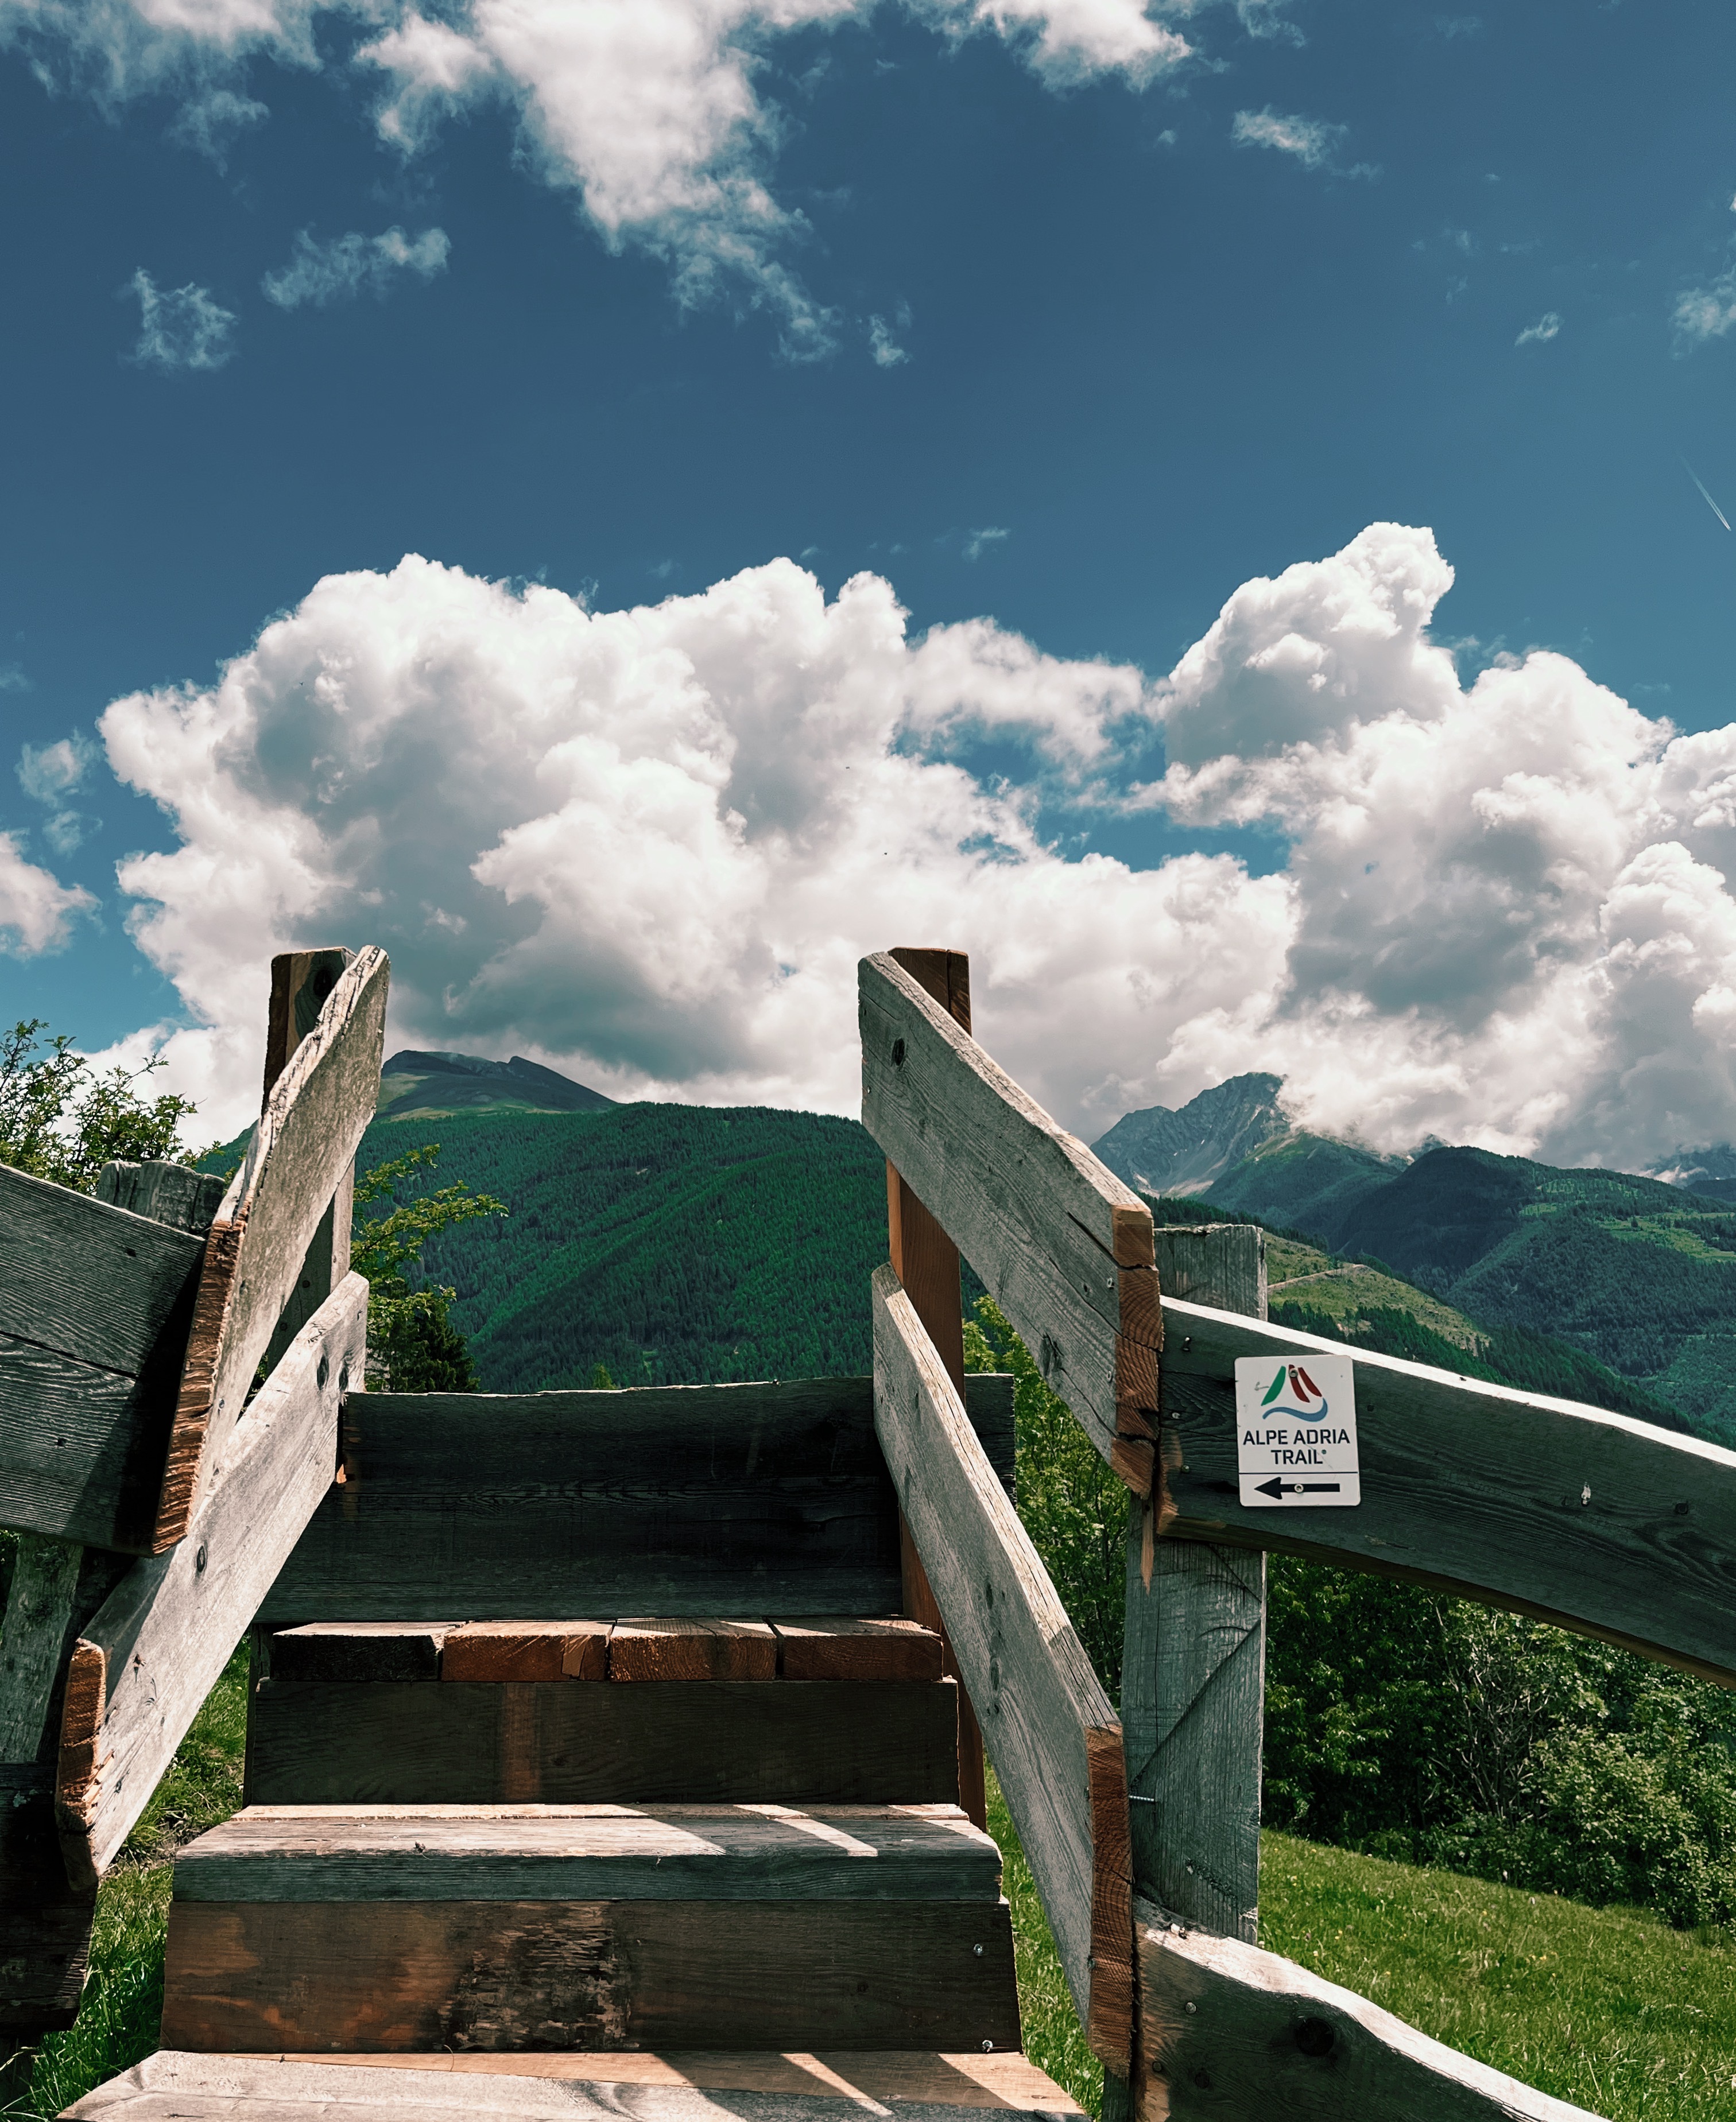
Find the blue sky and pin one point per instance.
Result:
(1151, 323)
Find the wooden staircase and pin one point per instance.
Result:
(807, 1883)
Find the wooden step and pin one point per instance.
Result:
(815, 1743)
(765, 1499)
(744, 2086)
(504, 1927)
(822, 1647)
(589, 1853)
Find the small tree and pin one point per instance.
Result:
(62, 1120)
(413, 1345)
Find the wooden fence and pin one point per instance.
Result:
(1570, 1514)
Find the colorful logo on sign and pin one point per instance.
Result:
(1302, 1389)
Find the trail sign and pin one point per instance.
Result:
(1296, 1432)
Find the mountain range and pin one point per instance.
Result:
(416, 1086)
(1635, 1270)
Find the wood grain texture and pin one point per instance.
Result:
(33, 1641)
(165, 1192)
(1594, 1520)
(926, 1262)
(829, 2085)
(155, 1650)
(834, 1648)
(304, 1143)
(546, 1853)
(1063, 1247)
(706, 1501)
(1229, 2031)
(1026, 1670)
(44, 1926)
(838, 1743)
(352, 1651)
(642, 1649)
(1193, 1675)
(301, 982)
(526, 1650)
(599, 1975)
(95, 1306)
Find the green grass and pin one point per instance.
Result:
(123, 2001)
(1605, 2007)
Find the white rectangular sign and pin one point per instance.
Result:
(1296, 1430)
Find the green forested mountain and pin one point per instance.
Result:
(677, 1244)
(673, 1244)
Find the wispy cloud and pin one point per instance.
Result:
(885, 348)
(180, 327)
(1707, 312)
(1541, 332)
(340, 269)
(48, 773)
(979, 542)
(209, 124)
(1314, 141)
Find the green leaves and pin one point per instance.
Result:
(412, 1345)
(60, 1120)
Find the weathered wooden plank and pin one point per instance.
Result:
(925, 1261)
(352, 1651)
(92, 1281)
(506, 1975)
(578, 2086)
(1227, 2030)
(1063, 1247)
(44, 1926)
(95, 1303)
(301, 982)
(526, 1650)
(833, 1648)
(692, 1650)
(172, 1194)
(721, 1500)
(39, 1613)
(1573, 1514)
(146, 1662)
(1193, 1674)
(1051, 1734)
(304, 1143)
(449, 1852)
(835, 1742)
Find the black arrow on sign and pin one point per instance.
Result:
(1275, 1486)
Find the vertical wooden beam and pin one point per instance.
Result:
(1193, 1673)
(926, 1261)
(300, 980)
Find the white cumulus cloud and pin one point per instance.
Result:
(37, 910)
(344, 265)
(181, 327)
(1541, 332)
(648, 845)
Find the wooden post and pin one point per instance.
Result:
(300, 980)
(57, 1586)
(926, 1261)
(1193, 1672)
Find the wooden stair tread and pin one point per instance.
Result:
(650, 1648)
(590, 1853)
(576, 2084)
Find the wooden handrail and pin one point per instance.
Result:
(296, 1162)
(1051, 1731)
(1062, 1245)
(1226, 2029)
(1597, 1521)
